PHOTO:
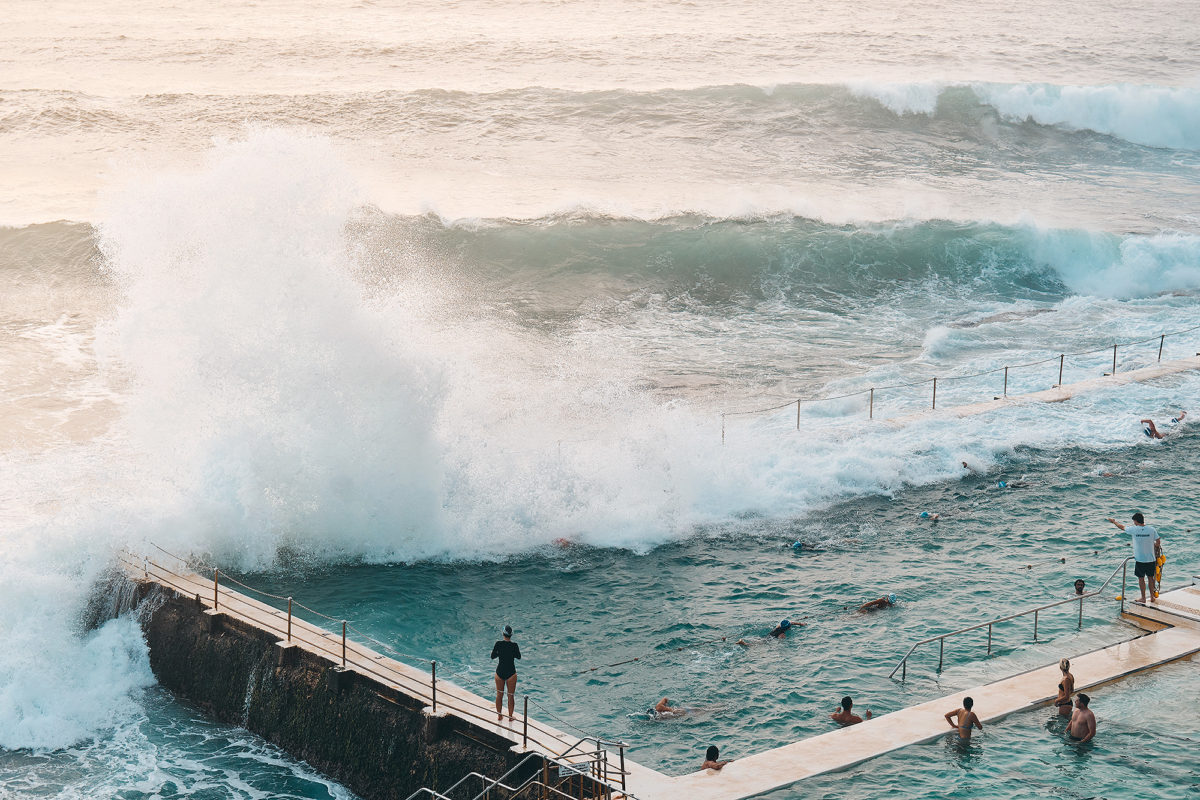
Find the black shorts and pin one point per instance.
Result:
(1144, 569)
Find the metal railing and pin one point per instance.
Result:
(567, 772)
(902, 667)
(346, 653)
(870, 392)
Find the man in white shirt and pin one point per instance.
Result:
(1146, 548)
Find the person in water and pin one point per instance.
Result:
(1155, 433)
(1066, 687)
(779, 633)
(963, 719)
(1079, 584)
(664, 707)
(507, 652)
(1147, 547)
(711, 757)
(875, 605)
(1083, 722)
(842, 715)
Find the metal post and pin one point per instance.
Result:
(1035, 621)
(289, 619)
(904, 669)
(525, 732)
(1081, 612)
(989, 639)
(343, 644)
(1124, 566)
(433, 682)
(871, 406)
(797, 413)
(1061, 358)
(1161, 339)
(935, 394)
(941, 651)
(1114, 372)
(722, 429)
(622, 750)
(1006, 381)
(216, 582)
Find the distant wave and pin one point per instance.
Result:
(1156, 116)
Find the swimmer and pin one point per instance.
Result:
(1082, 726)
(842, 715)
(1066, 687)
(664, 707)
(875, 605)
(780, 632)
(963, 719)
(1155, 433)
(934, 517)
(710, 759)
(1079, 584)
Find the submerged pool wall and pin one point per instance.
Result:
(377, 741)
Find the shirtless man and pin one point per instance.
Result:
(664, 707)
(1083, 722)
(963, 718)
(1155, 433)
(842, 715)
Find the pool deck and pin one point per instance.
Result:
(1058, 394)
(1173, 626)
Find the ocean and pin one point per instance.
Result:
(441, 316)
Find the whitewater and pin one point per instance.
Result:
(371, 296)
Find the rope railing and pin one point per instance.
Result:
(340, 649)
(1061, 358)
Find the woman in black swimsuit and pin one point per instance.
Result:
(506, 671)
(1065, 689)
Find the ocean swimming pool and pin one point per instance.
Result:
(579, 608)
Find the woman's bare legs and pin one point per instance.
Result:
(511, 683)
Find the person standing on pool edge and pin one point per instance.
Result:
(1147, 545)
(506, 671)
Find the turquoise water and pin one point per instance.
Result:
(585, 607)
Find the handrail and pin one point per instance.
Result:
(345, 652)
(1060, 358)
(943, 637)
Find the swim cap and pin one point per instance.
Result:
(1002, 485)
(924, 515)
(892, 599)
(797, 545)
(1147, 432)
(508, 630)
(785, 624)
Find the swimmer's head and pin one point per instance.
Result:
(1138, 518)
(797, 545)
(785, 624)
(1079, 584)
(892, 599)
(924, 515)
(847, 703)
(1148, 432)
(711, 753)
(507, 631)
(1083, 699)
(1002, 485)
(967, 703)
(1064, 664)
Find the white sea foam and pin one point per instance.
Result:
(1157, 116)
